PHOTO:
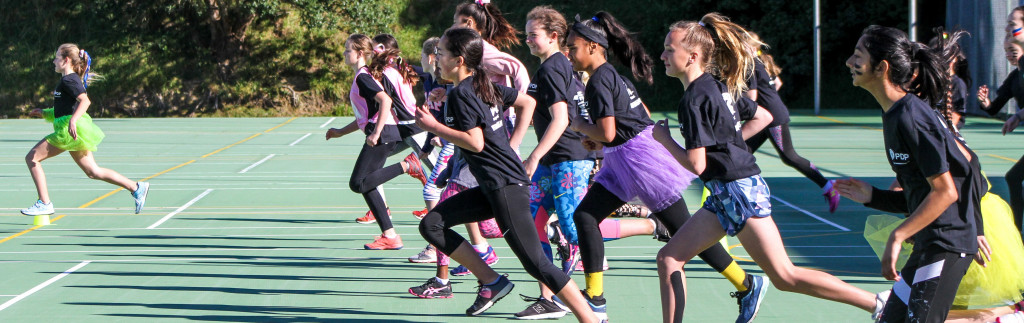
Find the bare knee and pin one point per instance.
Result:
(93, 173)
(667, 261)
(785, 280)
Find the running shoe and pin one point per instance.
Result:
(385, 243)
(598, 304)
(540, 309)
(750, 299)
(880, 300)
(140, 196)
(419, 214)
(369, 218)
(604, 267)
(554, 299)
(570, 257)
(39, 208)
(415, 168)
(1015, 317)
(661, 232)
(427, 255)
(487, 295)
(432, 289)
(489, 257)
(831, 196)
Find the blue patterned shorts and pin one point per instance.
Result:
(736, 201)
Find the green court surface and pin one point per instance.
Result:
(251, 220)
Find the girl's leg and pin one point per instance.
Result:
(1014, 177)
(597, 204)
(368, 173)
(927, 286)
(88, 165)
(468, 206)
(675, 216)
(755, 142)
(696, 235)
(40, 152)
(783, 142)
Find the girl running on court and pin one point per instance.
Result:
(1012, 88)
(373, 106)
(738, 205)
(761, 89)
(474, 123)
(947, 45)
(73, 131)
(635, 165)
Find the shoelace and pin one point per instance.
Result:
(529, 299)
(739, 297)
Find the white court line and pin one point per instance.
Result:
(163, 250)
(257, 163)
(328, 122)
(41, 286)
(235, 228)
(811, 215)
(182, 208)
(300, 139)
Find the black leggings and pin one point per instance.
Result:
(783, 143)
(599, 203)
(369, 173)
(929, 298)
(510, 208)
(1014, 177)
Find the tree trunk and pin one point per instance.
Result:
(227, 34)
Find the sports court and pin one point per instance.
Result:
(251, 220)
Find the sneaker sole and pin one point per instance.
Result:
(460, 274)
(368, 248)
(501, 294)
(35, 214)
(428, 296)
(418, 261)
(544, 316)
(366, 222)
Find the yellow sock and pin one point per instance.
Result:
(733, 273)
(595, 283)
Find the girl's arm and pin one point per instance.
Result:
(943, 194)
(694, 160)
(80, 109)
(472, 140)
(603, 130)
(524, 106)
(559, 121)
(760, 120)
(339, 132)
(751, 94)
(383, 116)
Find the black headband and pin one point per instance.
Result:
(588, 33)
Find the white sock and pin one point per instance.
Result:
(480, 248)
(390, 236)
(442, 281)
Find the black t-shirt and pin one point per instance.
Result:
(959, 95)
(406, 120)
(918, 145)
(65, 96)
(608, 94)
(368, 89)
(709, 117)
(767, 97)
(429, 84)
(1012, 88)
(497, 165)
(553, 83)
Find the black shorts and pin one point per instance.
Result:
(927, 286)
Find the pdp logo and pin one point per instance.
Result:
(898, 158)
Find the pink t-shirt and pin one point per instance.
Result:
(405, 94)
(504, 69)
(359, 104)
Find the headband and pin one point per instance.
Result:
(589, 33)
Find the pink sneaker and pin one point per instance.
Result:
(579, 265)
(832, 196)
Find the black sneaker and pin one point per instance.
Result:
(487, 295)
(597, 304)
(661, 232)
(540, 309)
(432, 289)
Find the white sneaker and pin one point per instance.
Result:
(140, 196)
(1017, 317)
(39, 208)
(880, 300)
(427, 255)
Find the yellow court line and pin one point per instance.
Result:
(152, 176)
(844, 122)
(1003, 158)
(30, 229)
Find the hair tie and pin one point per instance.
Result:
(594, 18)
(378, 49)
(88, 64)
(701, 23)
(482, 2)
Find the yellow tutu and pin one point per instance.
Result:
(89, 135)
(1000, 283)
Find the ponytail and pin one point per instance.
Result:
(913, 67)
(947, 46)
(734, 56)
(386, 53)
(606, 31)
(491, 23)
(467, 43)
(81, 62)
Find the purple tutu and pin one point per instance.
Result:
(643, 168)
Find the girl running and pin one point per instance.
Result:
(762, 90)
(738, 204)
(946, 43)
(73, 131)
(474, 123)
(635, 165)
(1012, 88)
(372, 104)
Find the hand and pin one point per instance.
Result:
(72, 129)
(36, 113)
(333, 133)
(661, 132)
(1011, 124)
(591, 144)
(854, 189)
(436, 141)
(424, 119)
(892, 252)
(984, 255)
(576, 121)
(530, 164)
(437, 95)
(372, 139)
(983, 95)
(515, 144)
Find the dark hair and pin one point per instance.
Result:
(623, 44)
(390, 55)
(430, 45)
(492, 24)
(551, 21)
(913, 67)
(469, 44)
(947, 46)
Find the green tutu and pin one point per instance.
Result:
(1000, 283)
(89, 135)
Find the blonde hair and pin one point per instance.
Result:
(724, 46)
(81, 62)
